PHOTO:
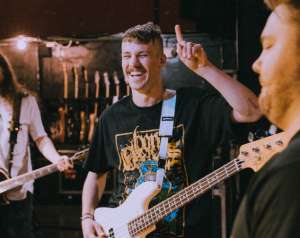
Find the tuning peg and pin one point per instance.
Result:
(259, 158)
(268, 146)
(256, 149)
(245, 153)
(279, 142)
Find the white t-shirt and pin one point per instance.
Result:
(30, 124)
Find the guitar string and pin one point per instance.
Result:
(231, 168)
(191, 191)
(210, 180)
(226, 171)
(35, 174)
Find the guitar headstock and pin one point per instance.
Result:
(97, 80)
(255, 154)
(86, 81)
(117, 86)
(76, 81)
(107, 84)
(65, 73)
(80, 155)
(117, 83)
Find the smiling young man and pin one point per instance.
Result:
(271, 206)
(127, 139)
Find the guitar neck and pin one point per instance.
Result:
(24, 178)
(156, 213)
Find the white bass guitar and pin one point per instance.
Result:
(134, 219)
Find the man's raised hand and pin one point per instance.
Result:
(191, 54)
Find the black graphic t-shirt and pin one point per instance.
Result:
(127, 139)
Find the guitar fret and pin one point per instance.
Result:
(156, 213)
(217, 179)
(21, 179)
(236, 165)
(225, 169)
(208, 182)
(200, 187)
(191, 192)
(179, 199)
(143, 224)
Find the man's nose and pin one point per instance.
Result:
(256, 65)
(134, 60)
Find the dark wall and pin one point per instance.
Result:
(213, 17)
(86, 18)
(71, 17)
(95, 17)
(252, 15)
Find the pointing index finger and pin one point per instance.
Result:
(178, 33)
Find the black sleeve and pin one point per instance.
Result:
(276, 205)
(216, 119)
(99, 159)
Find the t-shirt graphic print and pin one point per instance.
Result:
(139, 154)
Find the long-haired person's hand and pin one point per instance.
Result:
(191, 54)
(91, 229)
(64, 163)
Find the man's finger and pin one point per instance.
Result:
(178, 33)
(99, 230)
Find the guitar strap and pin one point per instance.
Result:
(14, 127)
(165, 132)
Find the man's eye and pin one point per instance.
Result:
(125, 56)
(267, 46)
(143, 55)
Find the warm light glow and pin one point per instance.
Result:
(21, 43)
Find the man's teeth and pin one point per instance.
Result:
(135, 74)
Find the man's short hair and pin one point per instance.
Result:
(272, 4)
(293, 5)
(145, 33)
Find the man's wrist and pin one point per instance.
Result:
(86, 216)
(203, 70)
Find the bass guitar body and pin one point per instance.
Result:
(115, 220)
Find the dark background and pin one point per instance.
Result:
(228, 29)
(237, 20)
(93, 17)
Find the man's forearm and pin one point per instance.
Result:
(239, 97)
(92, 192)
(47, 148)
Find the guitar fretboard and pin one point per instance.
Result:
(156, 213)
(21, 179)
